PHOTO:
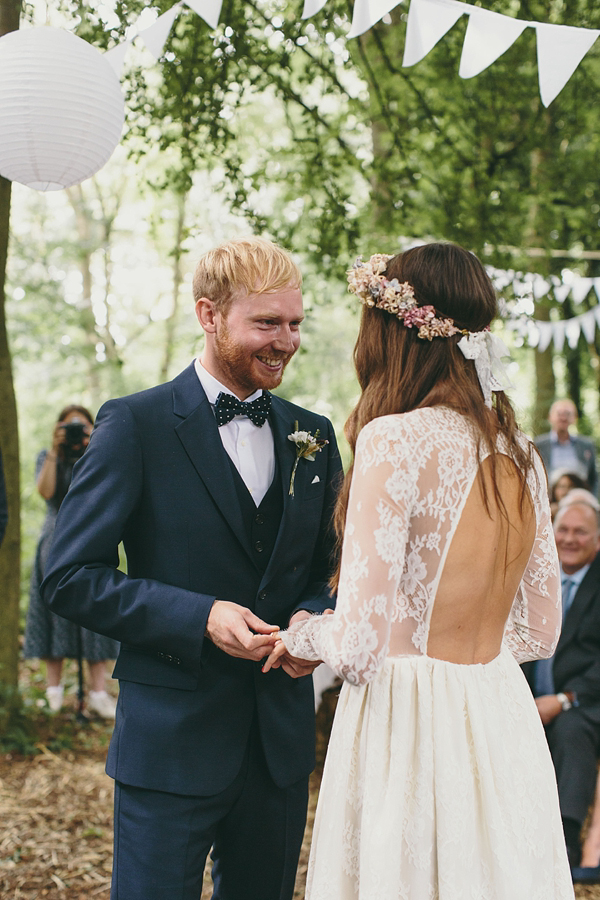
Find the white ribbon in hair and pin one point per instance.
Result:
(486, 350)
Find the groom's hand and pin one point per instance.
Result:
(238, 632)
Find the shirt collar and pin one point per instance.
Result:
(213, 387)
(554, 438)
(577, 577)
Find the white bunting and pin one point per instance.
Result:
(558, 333)
(156, 36)
(312, 7)
(597, 314)
(428, 22)
(581, 288)
(116, 56)
(560, 49)
(489, 35)
(367, 13)
(209, 10)
(545, 329)
(597, 287)
(588, 325)
(572, 331)
(540, 287)
(561, 292)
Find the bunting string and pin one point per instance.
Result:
(560, 48)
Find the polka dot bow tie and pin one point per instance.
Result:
(227, 406)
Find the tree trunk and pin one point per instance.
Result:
(10, 553)
(171, 323)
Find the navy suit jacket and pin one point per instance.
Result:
(586, 454)
(577, 657)
(156, 477)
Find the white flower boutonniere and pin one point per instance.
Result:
(306, 447)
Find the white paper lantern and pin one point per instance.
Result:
(61, 108)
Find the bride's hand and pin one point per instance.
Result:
(274, 659)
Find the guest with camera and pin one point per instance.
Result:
(48, 636)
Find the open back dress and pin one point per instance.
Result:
(438, 783)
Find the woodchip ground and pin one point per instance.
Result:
(56, 815)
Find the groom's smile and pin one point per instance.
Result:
(248, 348)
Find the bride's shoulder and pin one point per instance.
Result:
(397, 427)
(426, 417)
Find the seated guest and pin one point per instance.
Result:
(562, 450)
(589, 870)
(567, 686)
(562, 483)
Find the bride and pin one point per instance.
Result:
(438, 781)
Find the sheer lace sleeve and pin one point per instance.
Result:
(534, 624)
(354, 640)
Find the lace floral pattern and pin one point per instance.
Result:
(438, 783)
(412, 476)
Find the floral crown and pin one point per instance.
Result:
(372, 288)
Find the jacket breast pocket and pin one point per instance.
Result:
(143, 668)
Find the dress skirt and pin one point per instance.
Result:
(438, 785)
(48, 636)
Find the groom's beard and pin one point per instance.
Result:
(243, 366)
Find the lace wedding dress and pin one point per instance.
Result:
(438, 783)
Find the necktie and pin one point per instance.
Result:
(543, 674)
(227, 406)
(567, 599)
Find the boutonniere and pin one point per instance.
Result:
(307, 445)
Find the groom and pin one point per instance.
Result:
(208, 751)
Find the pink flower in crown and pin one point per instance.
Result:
(419, 316)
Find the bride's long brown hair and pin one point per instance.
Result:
(399, 372)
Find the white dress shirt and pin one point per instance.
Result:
(251, 449)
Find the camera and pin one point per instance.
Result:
(74, 435)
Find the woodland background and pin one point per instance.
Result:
(278, 126)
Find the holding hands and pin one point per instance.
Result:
(235, 630)
(292, 665)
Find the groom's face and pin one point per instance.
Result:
(256, 339)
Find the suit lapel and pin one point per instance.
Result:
(198, 432)
(585, 593)
(282, 426)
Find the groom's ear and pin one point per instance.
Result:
(206, 314)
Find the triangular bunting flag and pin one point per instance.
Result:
(560, 49)
(428, 22)
(596, 312)
(540, 287)
(561, 292)
(588, 325)
(156, 36)
(572, 331)
(488, 36)
(545, 330)
(367, 13)
(312, 7)
(116, 56)
(209, 10)
(581, 288)
(558, 331)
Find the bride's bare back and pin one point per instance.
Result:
(483, 569)
(427, 568)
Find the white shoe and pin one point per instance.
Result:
(54, 697)
(102, 704)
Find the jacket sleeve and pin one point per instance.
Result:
(83, 582)
(317, 596)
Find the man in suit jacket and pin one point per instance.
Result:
(567, 687)
(208, 751)
(562, 450)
